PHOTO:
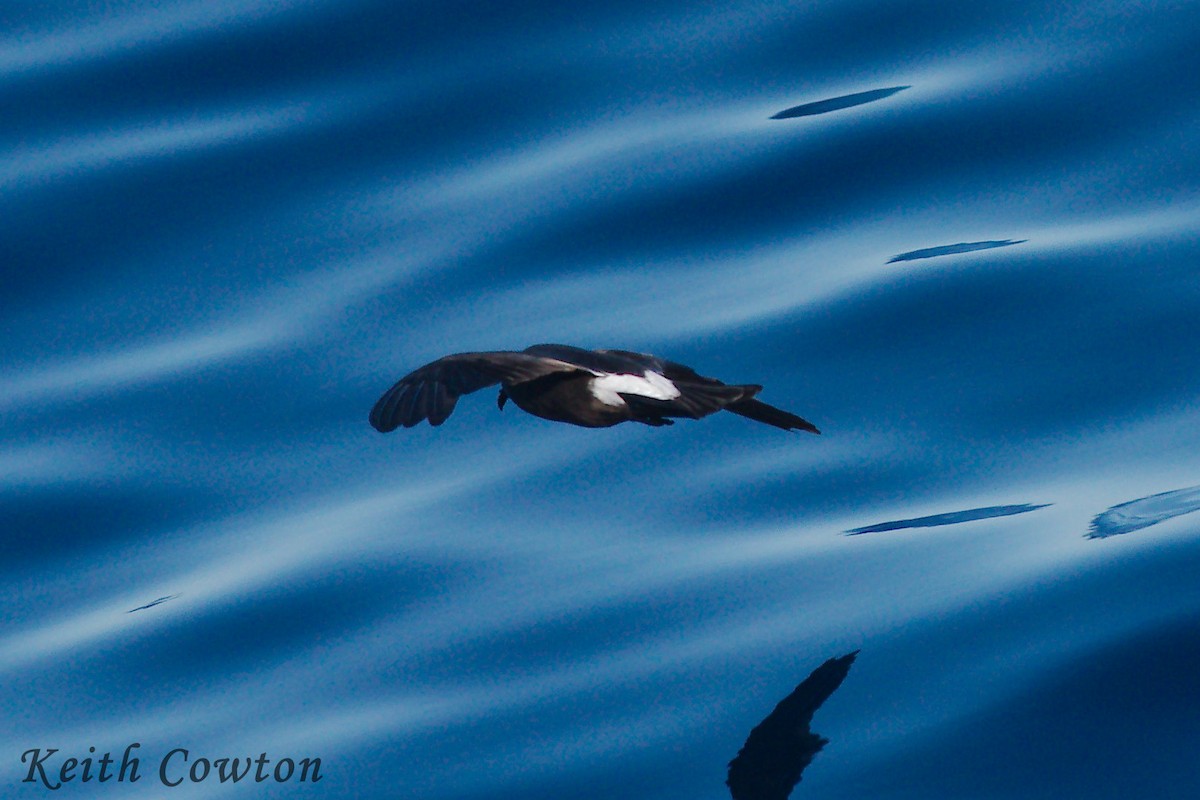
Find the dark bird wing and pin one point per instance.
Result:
(780, 747)
(432, 391)
(668, 369)
(706, 391)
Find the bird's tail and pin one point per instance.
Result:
(701, 399)
(759, 411)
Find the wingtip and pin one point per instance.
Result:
(378, 421)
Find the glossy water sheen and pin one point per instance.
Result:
(228, 227)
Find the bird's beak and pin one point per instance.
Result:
(501, 400)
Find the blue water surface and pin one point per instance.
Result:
(228, 226)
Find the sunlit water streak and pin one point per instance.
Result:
(89, 37)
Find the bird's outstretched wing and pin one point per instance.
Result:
(432, 391)
(692, 384)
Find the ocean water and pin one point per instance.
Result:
(961, 238)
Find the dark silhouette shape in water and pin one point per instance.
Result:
(1138, 514)
(153, 603)
(954, 249)
(780, 747)
(951, 518)
(837, 103)
(590, 388)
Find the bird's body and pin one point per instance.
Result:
(590, 388)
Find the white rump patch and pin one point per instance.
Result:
(609, 388)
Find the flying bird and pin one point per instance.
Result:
(590, 388)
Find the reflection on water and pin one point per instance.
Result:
(837, 103)
(953, 249)
(950, 518)
(780, 747)
(1138, 514)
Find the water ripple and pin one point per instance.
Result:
(138, 142)
(154, 603)
(953, 249)
(1147, 511)
(837, 103)
(949, 518)
(101, 36)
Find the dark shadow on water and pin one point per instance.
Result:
(780, 747)
(153, 603)
(954, 249)
(837, 103)
(1138, 514)
(951, 518)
